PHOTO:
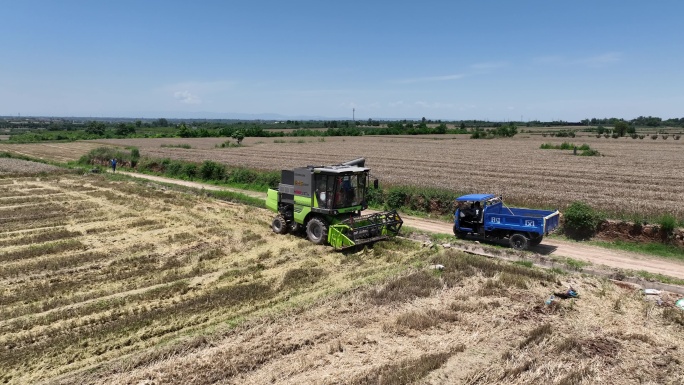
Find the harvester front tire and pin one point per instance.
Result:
(519, 241)
(279, 225)
(317, 231)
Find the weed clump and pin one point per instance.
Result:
(419, 284)
(297, 278)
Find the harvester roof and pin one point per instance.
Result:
(340, 169)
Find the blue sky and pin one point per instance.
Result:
(452, 60)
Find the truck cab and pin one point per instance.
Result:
(486, 216)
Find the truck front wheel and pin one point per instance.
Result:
(458, 233)
(518, 241)
(317, 231)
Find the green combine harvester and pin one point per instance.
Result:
(327, 202)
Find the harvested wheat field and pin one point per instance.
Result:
(633, 177)
(55, 151)
(107, 281)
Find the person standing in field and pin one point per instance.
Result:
(113, 162)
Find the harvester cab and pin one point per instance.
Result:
(327, 202)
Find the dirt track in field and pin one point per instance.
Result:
(551, 247)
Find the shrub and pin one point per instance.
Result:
(590, 152)
(676, 137)
(642, 136)
(584, 147)
(189, 170)
(581, 220)
(665, 136)
(212, 171)
(668, 223)
(654, 136)
(396, 197)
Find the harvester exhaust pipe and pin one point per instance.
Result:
(360, 162)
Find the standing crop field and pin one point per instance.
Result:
(632, 177)
(106, 281)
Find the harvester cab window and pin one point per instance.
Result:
(349, 190)
(324, 190)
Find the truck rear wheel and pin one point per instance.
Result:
(279, 225)
(519, 241)
(317, 231)
(535, 239)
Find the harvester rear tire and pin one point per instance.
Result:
(279, 225)
(519, 241)
(317, 231)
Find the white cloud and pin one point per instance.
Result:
(186, 97)
(430, 79)
(601, 60)
(590, 61)
(489, 65)
(434, 105)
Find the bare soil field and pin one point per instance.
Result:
(18, 166)
(115, 282)
(632, 177)
(57, 151)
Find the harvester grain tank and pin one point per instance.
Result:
(326, 202)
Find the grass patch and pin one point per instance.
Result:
(236, 197)
(407, 371)
(536, 335)
(183, 145)
(406, 288)
(418, 320)
(651, 248)
(41, 250)
(659, 277)
(576, 264)
(41, 238)
(302, 277)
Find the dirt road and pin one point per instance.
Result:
(551, 247)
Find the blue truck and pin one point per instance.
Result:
(486, 216)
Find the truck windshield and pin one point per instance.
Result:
(350, 190)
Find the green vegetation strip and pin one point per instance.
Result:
(658, 249)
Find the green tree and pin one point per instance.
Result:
(162, 122)
(184, 131)
(238, 135)
(138, 123)
(621, 127)
(95, 128)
